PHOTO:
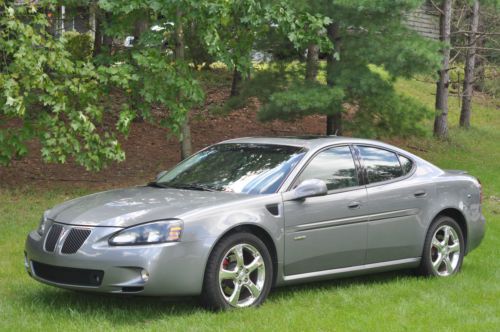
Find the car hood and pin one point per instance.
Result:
(128, 207)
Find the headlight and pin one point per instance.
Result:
(154, 232)
(43, 224)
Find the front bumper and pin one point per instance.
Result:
(168, 269)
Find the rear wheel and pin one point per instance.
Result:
(444, 248)
(239, 273)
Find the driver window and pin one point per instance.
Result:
(335, 166)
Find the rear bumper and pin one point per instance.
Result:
(171, 269)
(476, 233)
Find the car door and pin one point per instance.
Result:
(396, 203)
(327, 232)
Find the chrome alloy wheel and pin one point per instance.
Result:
(445, 251)
(242, 274)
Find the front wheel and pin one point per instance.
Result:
(239, 273)
(444, 248)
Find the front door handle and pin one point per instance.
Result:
(420, 193)
(354, 205)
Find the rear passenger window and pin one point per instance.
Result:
(381, 165)
(406, 164)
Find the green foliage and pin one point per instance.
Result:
(179, 91)
(302, 100)
(79, 45)
(56, 93)
(52, 97)
(492, 81)
(368, 35)
(301, 23)
(196, 48)
(231, 29)
(163, 80)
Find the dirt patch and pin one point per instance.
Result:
(149, 149)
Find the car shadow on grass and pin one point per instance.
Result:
(344, 283)
(124, 309)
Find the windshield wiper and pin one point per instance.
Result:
(188, 186)
(156, 185)
(193, 186)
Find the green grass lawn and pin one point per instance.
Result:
(395, 301)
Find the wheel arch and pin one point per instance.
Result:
(459, 217)
(258, 231)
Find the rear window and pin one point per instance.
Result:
(381, 165)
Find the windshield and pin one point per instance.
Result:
(240, 168)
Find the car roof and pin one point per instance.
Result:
(310, 142)
(315, 143)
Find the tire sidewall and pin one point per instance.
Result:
(212, 295)
(427, 268)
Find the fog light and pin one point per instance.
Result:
(145, 275)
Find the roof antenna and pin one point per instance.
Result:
(336, 131)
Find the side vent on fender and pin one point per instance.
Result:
(273, 209)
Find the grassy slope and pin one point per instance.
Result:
(391, 301)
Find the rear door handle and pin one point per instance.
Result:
(420, 193)
(354, 205)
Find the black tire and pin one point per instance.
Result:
(431, 253)
(212, 296)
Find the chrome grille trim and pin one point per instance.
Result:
(52, 237)
(75, 239)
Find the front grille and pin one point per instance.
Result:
(68, 275)
(75, 240)
(52, 237)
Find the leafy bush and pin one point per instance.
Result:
(491, 82)
(54, 98)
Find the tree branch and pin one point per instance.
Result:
(437, 7)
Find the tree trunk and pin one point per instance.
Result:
(480, 62)
(179, 36)
(96, 25)
(141, 25)
(470, 61)
(333, 121)
(100, 37)
(235, 85)
(441, 119)
(334, 124)
(186, 147)
(312, 63)
(185, 139)
(107, 40)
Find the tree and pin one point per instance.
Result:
(166, 77)
(371, 48)
(54, 97)
(441, 117)
(232, 28)
(470, 61)
(488, 48)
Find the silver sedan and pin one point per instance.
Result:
(245, 215)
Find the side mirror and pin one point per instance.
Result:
(160, 175)
(309, 188)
